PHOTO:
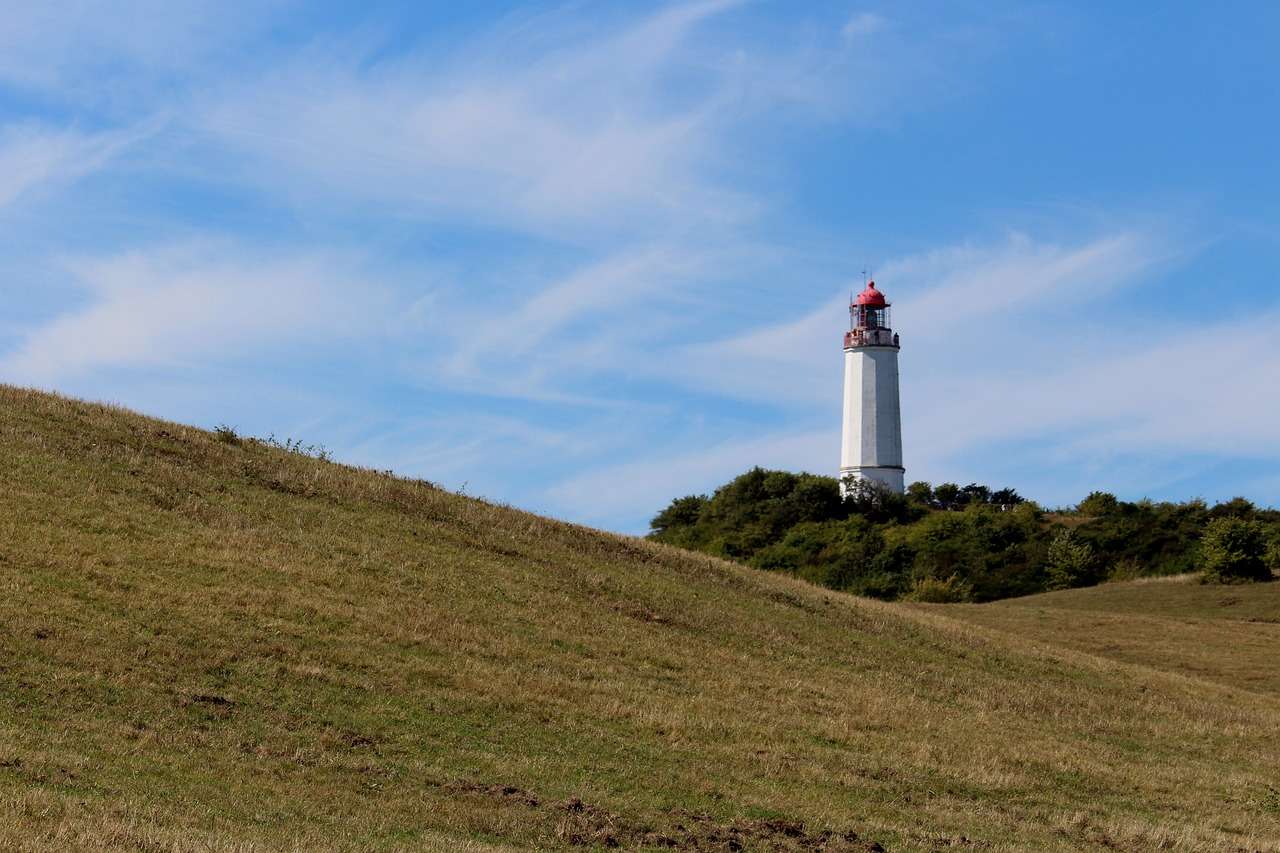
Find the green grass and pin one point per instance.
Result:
(1229, 635)
(209, 644)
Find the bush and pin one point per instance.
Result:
(874, 502)
(993, 542)
(1098, 503)
(841, 555)
(227, 435)
(1234, 551)
(947, 495)
(1126, 569)
(1069, 561)
(921, 493)
(953, 590)
(683, 512)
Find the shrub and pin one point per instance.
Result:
(1098, 503)
(953, 590)
(947, 495)
(921, 493)
(836, 554)
(1069, 561)
(1234, 551)
(227, 435)
(683, 512)
(875, 502)
(1126, 569)
(1235, 508)
(1007, 498)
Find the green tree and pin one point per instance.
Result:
(947, 495)
(836, 554)
(1098, 503)
(921, 493)
(1069, 561)
(1234, 550)
(1235, 508)
(1007, 498)
(682, 512)
(874, 501)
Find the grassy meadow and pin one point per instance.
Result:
(1229, 635)
(207, 643)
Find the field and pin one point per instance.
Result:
(211, 644)
(1228, 635)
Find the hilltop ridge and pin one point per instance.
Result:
(211, 643)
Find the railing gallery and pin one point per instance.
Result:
(870, 338)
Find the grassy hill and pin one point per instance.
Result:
(210, 644)
(1225, 634)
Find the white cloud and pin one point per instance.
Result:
(952, 304)
(615, 493)
(70, 48)
(34, 156)
(578, 133)
(177, 308)
(596, 319)
(585, 132)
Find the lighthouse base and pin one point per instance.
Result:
(889, 478)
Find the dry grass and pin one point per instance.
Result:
(211, 645)
(1228, 635)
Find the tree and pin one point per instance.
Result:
(813, 498)
(921, 493)
(1097, 504)
(975, 494)
(947, 495)
(874, 501)
(1006, 498)
(1069, 561)
(683, 512)
(1235, 508)
(1234, 550)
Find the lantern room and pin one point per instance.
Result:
(869, 320)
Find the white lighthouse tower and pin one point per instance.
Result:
(871, 447)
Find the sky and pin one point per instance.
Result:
(587, 257)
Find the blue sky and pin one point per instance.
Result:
(586, 257)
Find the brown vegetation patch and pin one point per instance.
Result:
(581, 824)
(640, 612)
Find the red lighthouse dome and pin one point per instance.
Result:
(869, 321)
(871, 298)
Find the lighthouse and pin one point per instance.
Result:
(871, 446)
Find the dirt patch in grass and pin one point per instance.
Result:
(581, 824)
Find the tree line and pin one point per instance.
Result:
(950, 543)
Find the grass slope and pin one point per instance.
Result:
(1225, 634)
(217, 647)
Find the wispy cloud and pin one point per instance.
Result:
(70, 49)
(615, 494)
(174, 308)
(957, 302)
(576, 133)
(34, 156)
